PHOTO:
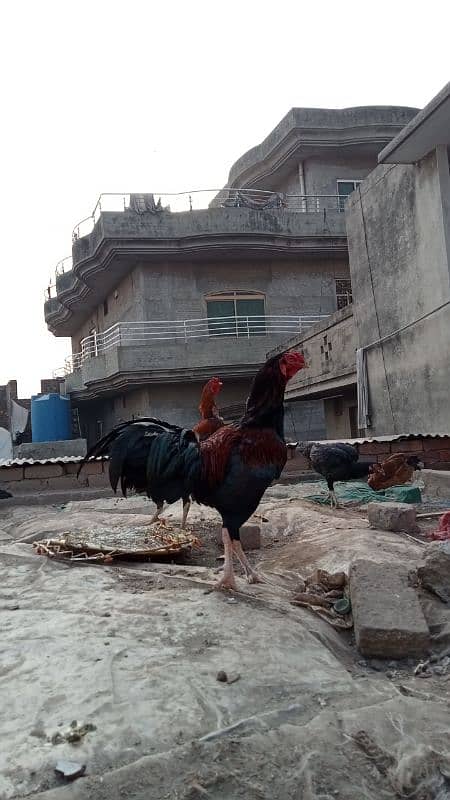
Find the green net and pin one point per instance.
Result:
(359, 493)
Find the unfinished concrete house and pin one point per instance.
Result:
(398, 228)
(161, 293)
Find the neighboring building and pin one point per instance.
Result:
(157, 301)
(398, 227)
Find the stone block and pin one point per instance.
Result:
(43, 471)
(250, 536)
(8, 474)
(392, 516)
(436, 482)
(435, 572)
(388, 619)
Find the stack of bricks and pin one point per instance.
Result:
(435, 453)
(53, 477)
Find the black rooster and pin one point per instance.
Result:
(230, 471)
(336, 462)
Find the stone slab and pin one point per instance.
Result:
(388, 619)
(435, 572)
(436, 482)
(392, 516)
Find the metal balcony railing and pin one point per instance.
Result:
(197, 199)
(136, 334)
(256, 199)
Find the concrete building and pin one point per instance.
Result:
(398, 227)
(156, 300)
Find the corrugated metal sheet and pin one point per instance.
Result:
(25, 462)
(392, 438)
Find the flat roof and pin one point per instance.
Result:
(429, 128)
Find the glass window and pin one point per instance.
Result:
(344, 188)
(236, 314)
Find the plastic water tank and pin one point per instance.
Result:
(51, 419)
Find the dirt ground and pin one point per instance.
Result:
(134, 650)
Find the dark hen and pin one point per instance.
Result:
(230, 471)
(336, 462)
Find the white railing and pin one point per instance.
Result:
(135, 334)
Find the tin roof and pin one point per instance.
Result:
(25, 462)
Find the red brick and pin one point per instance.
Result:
(42, 471)
(93, 468)
(407, 446)
(373, 448)
(8, 474)
(436, 444)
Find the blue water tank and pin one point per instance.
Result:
(51, 419)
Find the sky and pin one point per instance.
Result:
(163, 96)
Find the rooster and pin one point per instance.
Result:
(210, 421)
(335, 462)
(229, 471)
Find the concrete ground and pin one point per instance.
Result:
(134, 650)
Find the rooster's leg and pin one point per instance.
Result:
(227, 581)
(250, 574)
(158, 512)
(186, 507)
(333, 499)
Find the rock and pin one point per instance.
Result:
(435, 572)
(70, 769)
(388, 620)
(222, 676)
(250, 536)
(392, 516)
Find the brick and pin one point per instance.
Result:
(374, 448)
(43, 471)
(388, 619)
(93, 468)
(31, 486)
(392, 516)
(410, 446)
(97, 481)
(71, 469)
(250, 536)
(66, 482)
(436, 444)
(8, 474)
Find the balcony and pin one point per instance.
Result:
(135, 353)
(224, 225)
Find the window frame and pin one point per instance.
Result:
(233, 296)
(356, 182)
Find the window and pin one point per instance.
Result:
(105, 307)
(236, 314)
(343, 292)
(344, 188)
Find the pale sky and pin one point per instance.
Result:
(161, 95)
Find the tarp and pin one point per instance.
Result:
(359, 493)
